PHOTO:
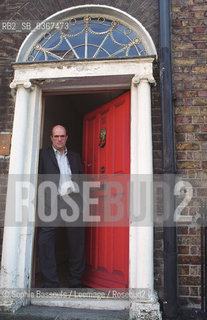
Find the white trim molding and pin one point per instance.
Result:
(137, 75)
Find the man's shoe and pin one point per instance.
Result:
(50, 286)
(77, 286)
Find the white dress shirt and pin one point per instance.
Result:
(66, 185)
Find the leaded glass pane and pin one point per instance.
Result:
(87, 38)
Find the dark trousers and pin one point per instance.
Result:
(47, 258)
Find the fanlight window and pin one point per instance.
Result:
(87, 38)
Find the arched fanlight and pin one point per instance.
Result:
(87, 38)
(86, 32)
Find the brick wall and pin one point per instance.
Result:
(189, 52)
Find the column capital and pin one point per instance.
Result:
(143, 77)
(15, 84)
(26, 84)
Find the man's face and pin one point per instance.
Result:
(59, 138)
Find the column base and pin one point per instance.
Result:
(145, 310)
(10, 305)
(11, 300)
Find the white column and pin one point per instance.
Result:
(30, 178)
(141, 232)
(10, 251)
(18, 237)
(141, 224)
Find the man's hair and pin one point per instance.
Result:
(66, 130)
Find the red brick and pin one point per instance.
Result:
(199, 7)
(183, 119)
(187, 128)
(198, 119)
(188, 165)
(204, 164)
(202, 137)
(195, 250)
(189, 259)
(177, 23)
(199, 29)
(189, 280)
(183, 270)
(184, 291)
(183, 250)
(204, 128)
(182, 230)
(194, 230)
(188, 146)
(200, 45)
(202, 93)
(194, 291)
(187, 111)
(181, 155)
(202, 192)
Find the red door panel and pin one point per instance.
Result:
(107, 247)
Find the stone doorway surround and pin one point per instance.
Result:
(30, 81)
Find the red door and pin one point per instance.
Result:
(107, 247)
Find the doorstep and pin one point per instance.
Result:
(59, 313)
(80, 299)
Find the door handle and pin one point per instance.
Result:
(102, 169)
(89, 164)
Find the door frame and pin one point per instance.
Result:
(30, 80)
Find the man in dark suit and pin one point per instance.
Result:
(58, 166)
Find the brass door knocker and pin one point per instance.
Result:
(102, 140)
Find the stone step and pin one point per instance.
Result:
(57, 313)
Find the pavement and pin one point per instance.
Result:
(58, 313)
(32, 312)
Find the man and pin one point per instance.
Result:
(57, 165)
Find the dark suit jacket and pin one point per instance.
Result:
(49, 172)
(48, 162)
